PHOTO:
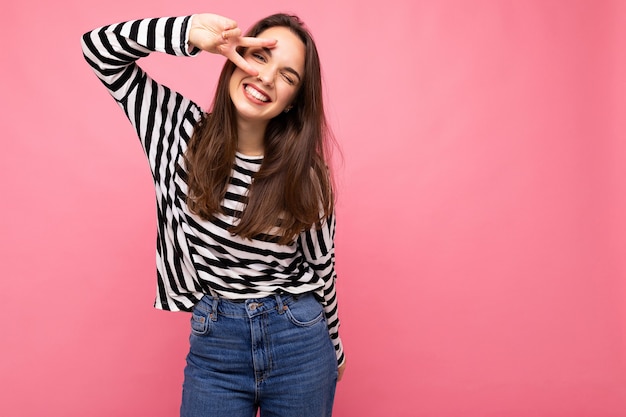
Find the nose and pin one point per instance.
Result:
(266, 78)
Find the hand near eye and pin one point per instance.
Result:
(220, 35)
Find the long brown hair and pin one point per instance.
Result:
(293, 188)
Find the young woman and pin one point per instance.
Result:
(245, 209)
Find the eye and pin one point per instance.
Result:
(258, 56)
(288, 78)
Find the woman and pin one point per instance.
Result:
(245, 209)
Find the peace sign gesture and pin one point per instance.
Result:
(220, 35)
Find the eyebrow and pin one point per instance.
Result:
(268, 51)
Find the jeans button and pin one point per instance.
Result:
(253, 306)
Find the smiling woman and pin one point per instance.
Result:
(259, 99)
(289, 129)
(245, 209)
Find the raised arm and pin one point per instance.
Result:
(163, 119)
(112, 50)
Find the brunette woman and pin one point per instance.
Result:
(245, 209)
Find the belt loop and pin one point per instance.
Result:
(279, 304)
(215, 301)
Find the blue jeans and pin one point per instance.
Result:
(272, 354)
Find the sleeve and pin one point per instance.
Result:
(160, 116)
(318, 247)
(164, 121)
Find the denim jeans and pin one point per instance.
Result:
(272, 354)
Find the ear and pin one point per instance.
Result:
(287, 109)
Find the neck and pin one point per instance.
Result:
(250, 137)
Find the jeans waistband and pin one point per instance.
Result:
(249, 307)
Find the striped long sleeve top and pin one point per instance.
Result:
(195, 256)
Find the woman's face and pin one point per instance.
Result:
(281, 70)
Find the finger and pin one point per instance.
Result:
(231, 33)
(228, 24)
(241, 63)
(249, 41)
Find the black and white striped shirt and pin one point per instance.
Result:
(196, 256)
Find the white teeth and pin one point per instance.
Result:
(254, 93)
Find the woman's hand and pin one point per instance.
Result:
(220, 35)
(341, 370)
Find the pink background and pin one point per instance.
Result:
(481, 243)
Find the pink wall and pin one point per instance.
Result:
(482, 236)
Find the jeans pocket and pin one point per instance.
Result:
(305, 312)
(200, 321)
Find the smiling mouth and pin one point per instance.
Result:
(256, 93)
